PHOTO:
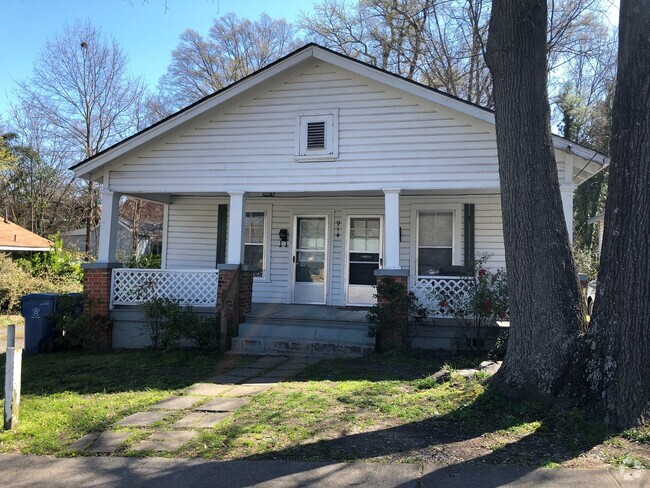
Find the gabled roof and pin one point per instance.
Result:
(317, 52)
(13, 237)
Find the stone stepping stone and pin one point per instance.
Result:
(83, 443)
(223, 405)
(268, 361)
(175, 403)
(226, 379)
(141, 419)
(165, 441)
(200, 420)
(247, 390)
(245, 372)
(207, 389)
(108, 442)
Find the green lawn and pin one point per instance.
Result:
(377, 408)
(66, 395)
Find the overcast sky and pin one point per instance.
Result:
(146, 29)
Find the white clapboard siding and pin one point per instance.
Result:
(192, 232)
(386, 138)
(191, 240)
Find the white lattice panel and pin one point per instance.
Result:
(194, 287)
(430, 290)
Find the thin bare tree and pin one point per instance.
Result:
(83, 96)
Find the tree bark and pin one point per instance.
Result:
(546, 312)
(618, 372)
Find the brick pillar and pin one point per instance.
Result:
(245, 292)
(393, 336)
(229, 275)
(97, 288)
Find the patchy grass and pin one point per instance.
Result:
(383, 408)
(387, 408)
(67, 395)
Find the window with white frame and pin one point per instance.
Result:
(317, 136)
(435, 241)
(254, 232)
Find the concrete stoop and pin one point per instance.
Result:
(303, 337)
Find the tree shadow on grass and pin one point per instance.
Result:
(119, 371)
(385, 367)
(488, 430)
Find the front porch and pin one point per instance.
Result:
(278, 328)
(284, 252)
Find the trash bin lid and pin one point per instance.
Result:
(39, 296)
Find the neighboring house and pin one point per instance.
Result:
(14, 238)
(149, 233)
(600, 221)
(318, 173)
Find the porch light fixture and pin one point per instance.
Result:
(268, 195)
(284, 237)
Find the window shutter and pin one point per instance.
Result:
(316, 135)
(468, 227)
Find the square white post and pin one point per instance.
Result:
(566, 192)
(108, 228)
(236, 214)
(391, 211)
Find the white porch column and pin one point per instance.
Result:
(566, 191)
(108, 227)
(391, 211)
(236, 214)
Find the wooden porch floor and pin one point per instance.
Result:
(307, 312)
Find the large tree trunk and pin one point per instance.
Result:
(619, 369)
(546, 312)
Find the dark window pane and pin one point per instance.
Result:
(254, 258)
(363, 273)
(430, 260)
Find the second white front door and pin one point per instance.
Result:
(363, 257)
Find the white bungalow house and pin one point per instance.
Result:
(314, 172)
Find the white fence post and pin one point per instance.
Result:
(12, 380)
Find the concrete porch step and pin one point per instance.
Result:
(289, 346)
(303, 336)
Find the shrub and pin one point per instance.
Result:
(586, 261)
(389, 316)
(163, 322)
(480, 305)
(16, 282)
(203, 331)
(167, 323)
(71, 319)
(57, 263)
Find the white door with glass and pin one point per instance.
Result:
(364, 256)
(310, 260)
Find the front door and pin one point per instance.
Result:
(310, 259)
(363, 258)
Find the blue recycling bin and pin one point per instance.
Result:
(40, 332)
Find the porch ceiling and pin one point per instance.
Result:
(167, 197)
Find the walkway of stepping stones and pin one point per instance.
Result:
(174, 421)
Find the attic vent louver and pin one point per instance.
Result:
(316, 135)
